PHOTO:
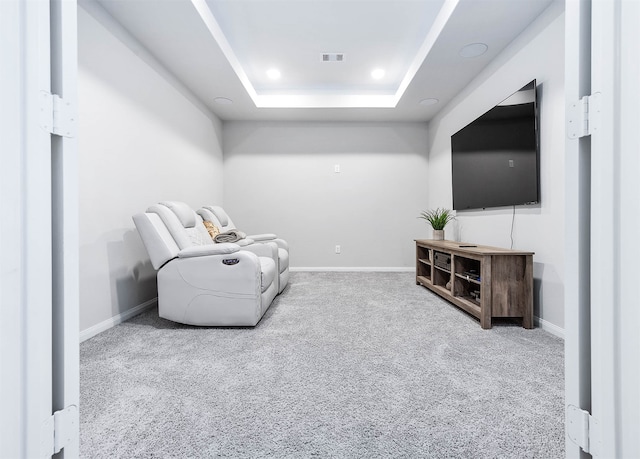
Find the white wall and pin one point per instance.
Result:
(279, 177)
(140, 141)
(537, 54)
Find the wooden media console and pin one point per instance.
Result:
(486, 282)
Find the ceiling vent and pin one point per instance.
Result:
(332, 57)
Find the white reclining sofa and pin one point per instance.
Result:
(201, 282)
(221, 219)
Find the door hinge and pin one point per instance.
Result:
(57, 115)
(61, 428)
(583, 116)
(583, 430)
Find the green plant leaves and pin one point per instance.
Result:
(437, 218)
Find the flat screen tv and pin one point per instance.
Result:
(495, 159)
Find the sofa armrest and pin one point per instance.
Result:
(267, 249)
(262, 237)
(234, 275)
(282, 244)
(211, 249)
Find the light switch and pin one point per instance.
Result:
(336, 168)
(511, 163)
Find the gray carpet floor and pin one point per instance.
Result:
(343, 365)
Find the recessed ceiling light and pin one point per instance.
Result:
(430, 101)
(222, 101)
(274, 74)
(473, 50)
(377, 74)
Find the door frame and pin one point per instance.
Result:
(39, 335)
(602, 370)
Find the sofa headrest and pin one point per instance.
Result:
(174, 225)
(160, 245)
(220, 214)
(185, 214)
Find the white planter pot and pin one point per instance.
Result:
(438, 235)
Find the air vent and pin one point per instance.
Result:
(332, 57)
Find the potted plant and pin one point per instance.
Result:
(438, 219)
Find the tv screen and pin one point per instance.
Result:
(495, 159)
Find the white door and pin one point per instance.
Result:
(38, 235)
(628, 230)
(577, 225)
(615, 226)
(603, 223)
(65, 225)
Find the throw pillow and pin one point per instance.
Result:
(212, 229)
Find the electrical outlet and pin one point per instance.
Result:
(338, 249)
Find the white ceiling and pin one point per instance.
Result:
(293, 35)
(223, 48)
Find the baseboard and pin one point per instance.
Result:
(354, 269)
(548, 327)
(113, 321)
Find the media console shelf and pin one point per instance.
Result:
(485, 281)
